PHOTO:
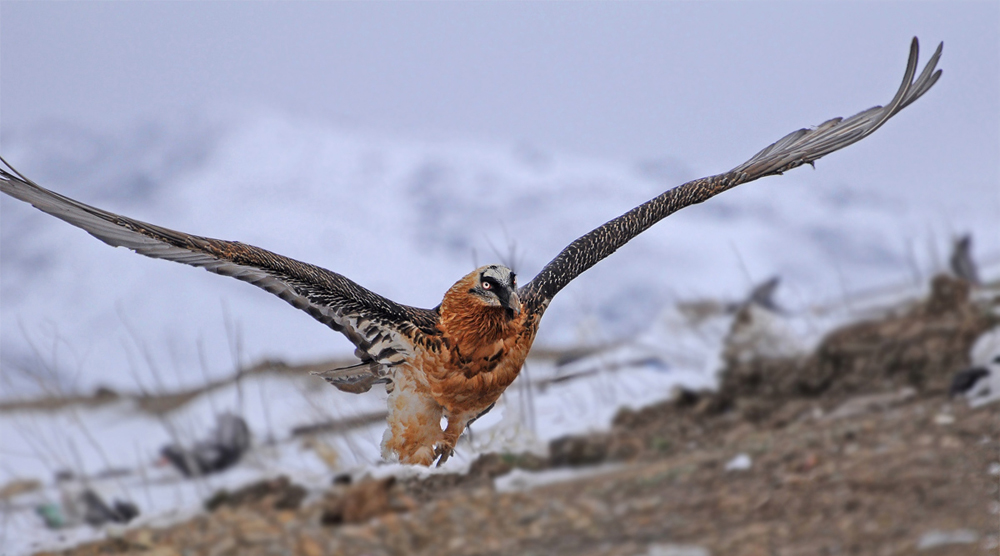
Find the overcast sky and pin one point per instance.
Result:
(617, 80)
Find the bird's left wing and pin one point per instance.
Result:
(795, 149)
(384, 332)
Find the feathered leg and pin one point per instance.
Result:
(414, 426)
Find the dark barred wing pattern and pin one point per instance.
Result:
(383, 331)
(795, 149)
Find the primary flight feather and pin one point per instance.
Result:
(455, 360)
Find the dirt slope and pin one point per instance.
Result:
(855, 449)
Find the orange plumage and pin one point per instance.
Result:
(483, 348)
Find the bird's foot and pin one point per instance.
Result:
(442, 452)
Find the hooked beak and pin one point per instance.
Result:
(512, 303)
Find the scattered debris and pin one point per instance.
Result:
(97, 512)
(88, 507)
(229, 441)
(920, 349)
(966, 379)
(980, 383)
(885, 480)
(52, 515)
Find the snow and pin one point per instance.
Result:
(740, 462)
(935, 538)
(404, 218)
(113, 448)
(520, 479)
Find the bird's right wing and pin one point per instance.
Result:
(804, 146)
(384, 332)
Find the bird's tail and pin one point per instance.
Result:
(355, 379)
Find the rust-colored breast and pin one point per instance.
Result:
(485, 350)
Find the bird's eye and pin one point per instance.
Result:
(487, 285)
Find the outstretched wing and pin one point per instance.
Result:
(384, 332)
(795, 149)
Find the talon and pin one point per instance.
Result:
(443, 453)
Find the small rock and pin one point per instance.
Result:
(741, 462)
(227, 545)
(809, 462)
(97, 512)
(223, 449)
(861, 405)
(52, 515)
(280, 493)
(573, 451)
(310, 547)
(365, 500)
(258, 531)
(490, 466)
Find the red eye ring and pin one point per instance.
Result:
(486, 285)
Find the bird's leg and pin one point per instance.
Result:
(414, 426)
(446, 446)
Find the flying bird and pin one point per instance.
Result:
(455, 360)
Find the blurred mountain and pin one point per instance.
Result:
(405, 218)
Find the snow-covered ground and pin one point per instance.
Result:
(113, 448)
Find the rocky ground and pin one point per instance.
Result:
(855, 449)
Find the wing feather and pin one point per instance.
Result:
(383, 331)
(803, 146)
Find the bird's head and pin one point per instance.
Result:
(496, 286)
(489, 286)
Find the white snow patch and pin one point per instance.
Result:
(935, 538)
(741, 462)
(520, 479)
